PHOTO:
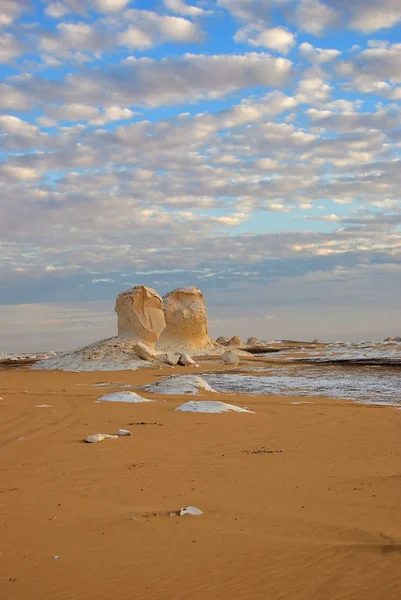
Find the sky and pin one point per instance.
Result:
(249, 147)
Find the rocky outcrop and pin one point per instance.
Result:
(253, 341)
(235, 341)
(223, 339)
(186, 320)
(140, 316)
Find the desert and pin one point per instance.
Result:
(200, 481)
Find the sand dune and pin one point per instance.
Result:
(299, 502)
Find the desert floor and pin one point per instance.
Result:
(299, 501)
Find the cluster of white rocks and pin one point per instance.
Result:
(169, 330)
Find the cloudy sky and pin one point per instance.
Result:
(250, 147)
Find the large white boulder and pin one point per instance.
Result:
(140, 316)
(180, 384)
(210, 406)
(186, 320)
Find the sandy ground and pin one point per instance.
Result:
(299, 501)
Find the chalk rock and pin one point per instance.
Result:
(172, 359)
(186, 361)
(253, 341)
(145, 352)
(209, 406)
(123, 397)
(191, 510)
(124, 433)
(99, 437)
(223, 339)
(230, 358)
(180, 384)
(235, 341)
(186, 320)
(140, 316)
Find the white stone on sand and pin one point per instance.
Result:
(180, 384)
(123, 397)
(210, 406)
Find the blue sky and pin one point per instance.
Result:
(251, 147)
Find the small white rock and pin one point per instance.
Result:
(56, 557)
(191, 510)
(172, 359)
(230, 358)
(124, 432)
(99, 437)
(186, 361)
(144, 352)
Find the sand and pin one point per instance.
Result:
(299, 501)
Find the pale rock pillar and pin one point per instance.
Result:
(140, 315)
(186, 320)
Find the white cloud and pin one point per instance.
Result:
(182, 8)
(314, 16)
(109, 6)
(318, 55)
(371, 15)
(150, 29)
(9, 48)
(112, 113)
(14, 125)
(276, 38)
(19, 173)
(56, 10)
(10, 10)
(12, 98)
(72, 112)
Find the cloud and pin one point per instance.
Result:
(369, 15)
(72, 112)
(19, 173)
(182, 8)
(150, 29)
(10, 11)
(314, 16)
(56, 10)
(10, 48)
(318, 55)
(276, 38)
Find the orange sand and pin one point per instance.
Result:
(319, 520)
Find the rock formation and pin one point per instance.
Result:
(186, 320)
(235, 341)
(140, 316)
(253, 341)
(222, 339)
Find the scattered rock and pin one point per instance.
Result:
(180, 384)
(235, 341)
(230, 358)
(43, 405)
(210, 406)
(172, 359)
(186, 361)
(186, 319)
(143, 351)
(190, 510)
(123, 397)
(140, 315)
(99, 437)
(56, 557)
(124, 432)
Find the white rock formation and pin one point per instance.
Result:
(180, 384)
(143, 351)
(230, 358)
(186, 361)
(186, 320)
(123, 397)
(99, 437)
(235, 341)
(223, 339)
(140, 316)
(172, 359)
(253, 341)
(210, 406)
